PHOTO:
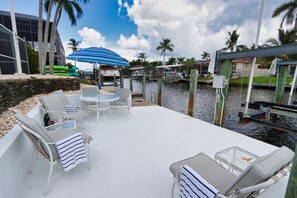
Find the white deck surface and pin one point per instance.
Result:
(131, 155)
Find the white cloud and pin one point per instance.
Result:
(133, 42)
(91, 37)
(194, 26)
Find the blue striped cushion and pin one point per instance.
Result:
(192, 185)
(71, 108)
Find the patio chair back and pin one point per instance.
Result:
(31, 127)
(123, 93)
(90, 92)
(261, 169)
(62, 96)
(52, 103)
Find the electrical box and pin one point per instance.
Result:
(219, 82)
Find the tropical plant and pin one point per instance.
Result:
(32, 59)
(73, 11)
(73, 44)
(231, 41)
(164, 46)
(172, 61)
(289, 9)
(205, 55)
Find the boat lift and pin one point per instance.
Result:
(223, 65)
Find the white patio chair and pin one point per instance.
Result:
(74, 101)
(125, 101)
(260, 174)
(45, 142)
(55, 108)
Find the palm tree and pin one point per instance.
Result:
(289, 9)
(142, 56)
(181, 60)
(284, 37)
(42, 43)
(205, 55)
(164, 46)
(73, 44)
(74, 12)
(172, 61)
(231, 41)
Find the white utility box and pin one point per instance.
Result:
(218, 82)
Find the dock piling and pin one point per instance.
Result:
(192, 91)
(159, 92)
(292, 183)
(281, 83)
(131, 82)
(226, 69)
(115, 80)
(143, 86)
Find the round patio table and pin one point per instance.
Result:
(100, 99)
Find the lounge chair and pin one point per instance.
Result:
(55, 108)
(249, 182)
(45, 142)
(125, 101)
(78, 103)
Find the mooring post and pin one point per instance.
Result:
(121, 79)
(159, 92)
(131, 82)
(292, 183)
(143, 86)
(226, 69)
(281, 83)
(192, 91)
(115, 80)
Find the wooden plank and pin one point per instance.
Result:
(159, 92)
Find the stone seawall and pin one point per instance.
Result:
(14, 90)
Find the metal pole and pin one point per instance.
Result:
(293, 86)
(15, 38)
(254, 60)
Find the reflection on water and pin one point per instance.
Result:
(176, 96)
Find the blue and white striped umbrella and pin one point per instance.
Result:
(98, 55)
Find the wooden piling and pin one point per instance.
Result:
(281, 83)
(226, 69)
(121, 79)
(192, 91)
(143, 86)
(292, 183)
(159, 92)
(131, 82)
(115, 80)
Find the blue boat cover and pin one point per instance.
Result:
(98, 55)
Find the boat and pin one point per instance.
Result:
(61, 70)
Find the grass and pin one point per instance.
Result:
(83, 81)
(257, 80)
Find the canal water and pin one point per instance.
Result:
(175, 96)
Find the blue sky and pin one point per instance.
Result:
(193, 26)
(98, 14)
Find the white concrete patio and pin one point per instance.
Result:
(131, 155)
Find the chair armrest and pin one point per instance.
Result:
(65, 117)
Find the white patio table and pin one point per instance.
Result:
(99, 100)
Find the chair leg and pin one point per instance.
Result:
(33, 161)
(172, 189)
(49, 179)
(89, 156)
